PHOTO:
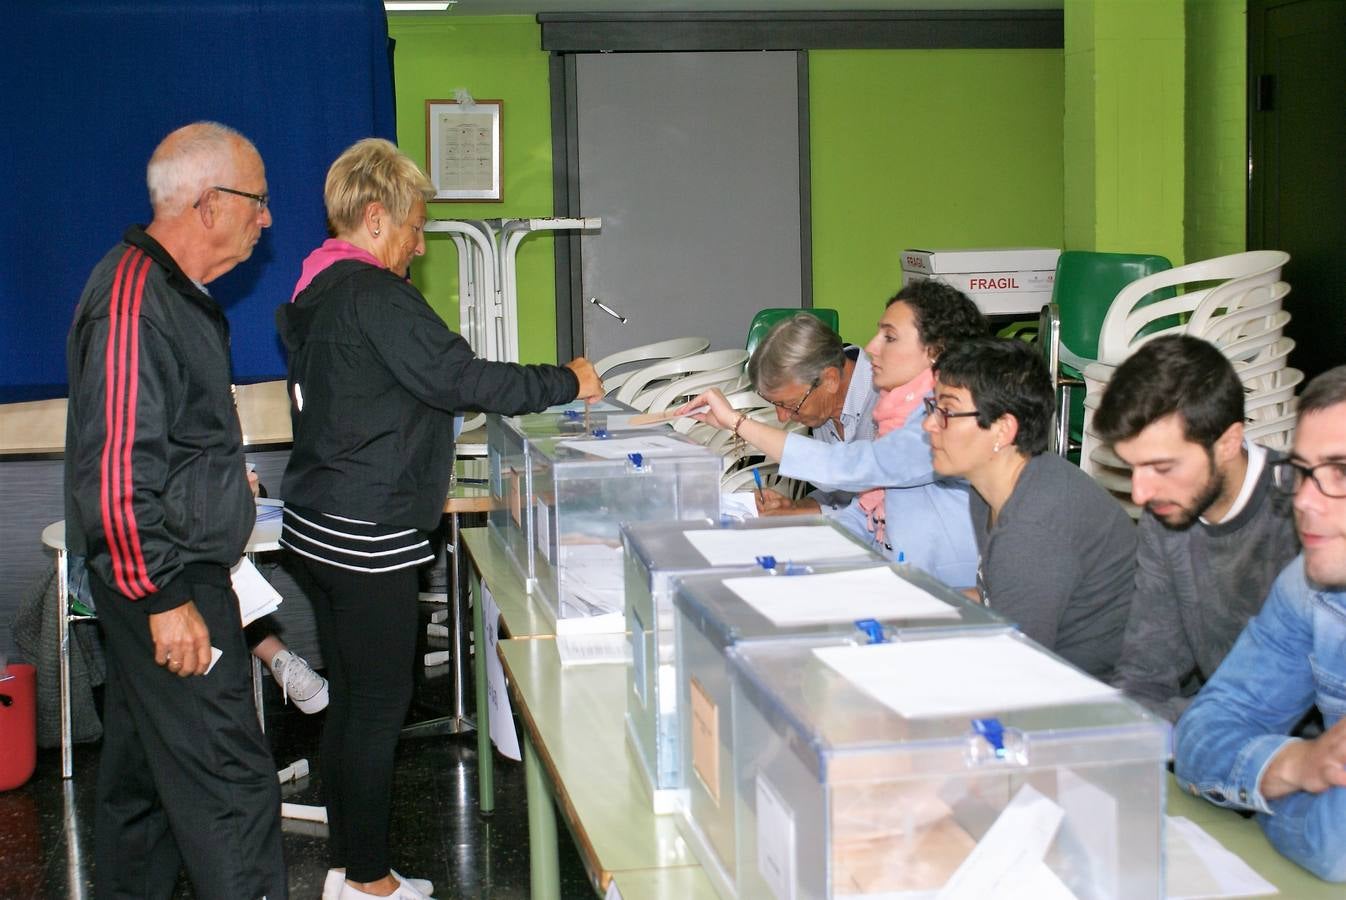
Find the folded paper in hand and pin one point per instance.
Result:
(256, 596)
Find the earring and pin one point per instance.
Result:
(376, 232)
(996, 448)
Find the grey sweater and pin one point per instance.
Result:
(1060, 562)
(1195, 590)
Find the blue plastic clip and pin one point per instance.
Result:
(599, 433)
(766, 562)
(572, 414)
(636, 459)
(994, 732)
(873, 630)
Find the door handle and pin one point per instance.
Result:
(608, 309)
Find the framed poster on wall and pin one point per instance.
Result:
(463, 150)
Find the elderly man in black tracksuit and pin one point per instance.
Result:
(157, 500)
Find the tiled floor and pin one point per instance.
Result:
(46, 827)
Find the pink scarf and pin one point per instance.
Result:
(891, 413)
(332, 250)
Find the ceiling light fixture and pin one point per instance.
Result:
(417, 5)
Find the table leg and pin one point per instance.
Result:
(544, 871)
(63, 652)
(485, 753)
(457, 584)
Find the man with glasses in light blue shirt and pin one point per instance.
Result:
(803, 368)
(1233, 746)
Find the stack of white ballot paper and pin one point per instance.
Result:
(960, 675)
(620, 448)
(796, 543)
(874, 593)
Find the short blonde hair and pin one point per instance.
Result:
(372, 170)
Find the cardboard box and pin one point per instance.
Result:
(1009, 281)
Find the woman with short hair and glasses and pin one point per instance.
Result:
(1058, 553)
(908, 512)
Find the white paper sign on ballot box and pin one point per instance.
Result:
(497, 696)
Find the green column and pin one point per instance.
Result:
(1124, 126)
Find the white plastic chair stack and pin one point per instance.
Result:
(673, 348)
(1241, 313)
(721, 368)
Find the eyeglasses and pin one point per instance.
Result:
(944, 414)
(794, 410)
(262, 199)
(1330, 477)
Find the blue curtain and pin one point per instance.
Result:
(91, 86)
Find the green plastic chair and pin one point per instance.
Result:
(765, 318)
(1086, 283)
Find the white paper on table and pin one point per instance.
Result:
(874, 593)
(1011, 853)
(579, 649)
(738, 506)
(1200, 867)
(619, 448)
(794, 543)
(497, 697)
(961, 675)
(612, 893)
(256, 596)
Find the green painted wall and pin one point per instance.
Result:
(937, 148)
(1125, 102)
(1217, 125)
(495, 58)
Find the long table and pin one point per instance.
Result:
(576, 754)
(520, 618)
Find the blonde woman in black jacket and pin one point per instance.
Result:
(375, 380)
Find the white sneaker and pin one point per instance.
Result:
(298, 682)
(336, 878)
(404, 892)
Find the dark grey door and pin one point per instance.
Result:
(1297, 190)
(692, 161)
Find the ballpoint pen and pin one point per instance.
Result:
(757, 478)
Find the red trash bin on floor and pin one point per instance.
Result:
(18, 725)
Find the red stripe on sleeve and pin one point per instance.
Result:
(129, 569)
(139, 573)
(111, 419)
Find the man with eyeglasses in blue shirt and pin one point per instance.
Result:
(1232, 746)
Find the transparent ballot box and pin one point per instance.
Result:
(583, 489)
(657, 555)
(510, 518)
(976, 765)
(714, 613)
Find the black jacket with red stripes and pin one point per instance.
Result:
(155, 483)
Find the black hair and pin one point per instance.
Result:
(1176, 373)
(944, 315)
(1003, 376)
(1327, 389)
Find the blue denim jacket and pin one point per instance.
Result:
(1291, 656)
(927, 516)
